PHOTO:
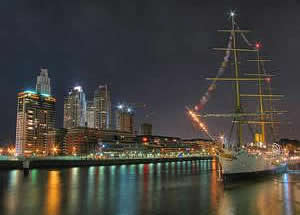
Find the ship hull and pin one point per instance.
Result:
(244, 165)
(255, 174)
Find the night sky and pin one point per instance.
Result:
(155, 52)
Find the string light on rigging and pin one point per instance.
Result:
(257, 45)
(196, 119)
(268, 79)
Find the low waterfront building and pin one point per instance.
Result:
(158, 140)
(198, 141)
(81, 141)
(84, 140)
(167, 145)
(56, 139)
(200, 144)
(291, 146)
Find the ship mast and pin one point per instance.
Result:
(237, 83)
(260, 93)
(239, 116)
(266, 114)
(262, 117)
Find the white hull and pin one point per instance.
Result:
(243, 163)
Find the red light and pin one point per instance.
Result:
(257, 45)
(268, 80)
(145, 139)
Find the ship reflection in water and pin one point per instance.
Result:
(168, 188)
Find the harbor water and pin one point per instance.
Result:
(189, 187)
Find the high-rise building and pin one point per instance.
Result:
(75, 108)
(146, 129)
(43, 82)
(35, 117)
(124, 119)
(102, 103)
(91, 115)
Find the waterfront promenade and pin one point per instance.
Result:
(71, 161)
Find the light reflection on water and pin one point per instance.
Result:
(53, 194)
(189, 187)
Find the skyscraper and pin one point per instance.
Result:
(146, 129)
(124, 119)
(35, 117)
(43, 82)
(75, 108)
(102, 103)
(91, 115)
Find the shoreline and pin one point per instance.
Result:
(44, 164)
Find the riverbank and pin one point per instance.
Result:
(44, 163)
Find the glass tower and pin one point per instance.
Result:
(75, 108)
(102, 104)
(43, 82)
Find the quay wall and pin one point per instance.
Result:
(294, 165)
(44, 163)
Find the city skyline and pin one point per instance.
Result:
(150, 107)
(160, 64)
(80, 109)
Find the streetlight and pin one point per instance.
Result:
(74, 150)
(54, 150)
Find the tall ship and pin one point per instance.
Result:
(240, 155)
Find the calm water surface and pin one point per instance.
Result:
(169, 188)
